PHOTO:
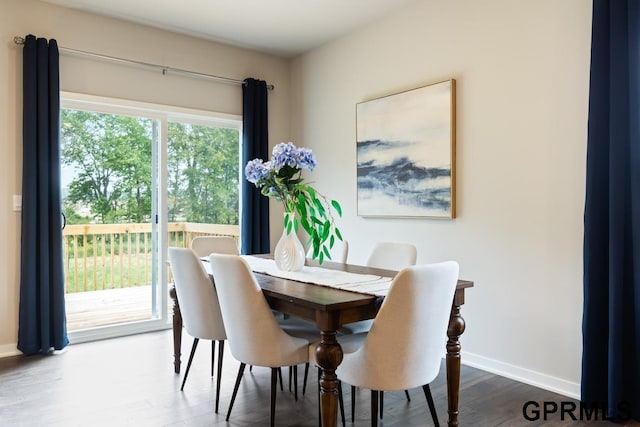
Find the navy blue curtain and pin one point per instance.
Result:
(611, 312)
(42, 320)
(254, 224)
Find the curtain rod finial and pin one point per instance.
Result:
(18, 40)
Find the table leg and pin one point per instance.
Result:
(329, 356)
(455, 329)
(177, 330)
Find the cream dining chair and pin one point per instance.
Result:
(392, 256)
(405, 345)
(387, 256)
(254, 335)
(205, 245)
(199, 306)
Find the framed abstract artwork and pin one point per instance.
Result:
(406, 153)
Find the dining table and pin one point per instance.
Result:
(332, 307)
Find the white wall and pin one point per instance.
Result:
(522, 71)
(102, 35)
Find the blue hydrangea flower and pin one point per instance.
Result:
(284, 154)
(256, 170)
(307, 160)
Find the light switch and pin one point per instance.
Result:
(17, 202)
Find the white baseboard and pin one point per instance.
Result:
(9, 350)
(527, 376)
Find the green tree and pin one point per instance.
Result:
(112, 158)
(203, 165)
(111, 155)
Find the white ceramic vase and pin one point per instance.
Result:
(289, 253)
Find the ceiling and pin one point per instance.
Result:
(280, 27)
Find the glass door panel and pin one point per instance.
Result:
(202, 181)
(109, 238)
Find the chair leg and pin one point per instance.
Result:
(280, 376)
(432, 407)
(374, 408)
(353, 404)
(274, 380)
(219, 379)
(213, 357)
(235, 389)
(381, 402)
(295, 382)
(406, 393)
(306, 374)
(193, 351)
(290, 373)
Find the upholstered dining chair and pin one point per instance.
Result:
(205, 245)
(199, 306)
(392, 256)
(387, 256)
(405, 345)
(339, 252)
(254, 335)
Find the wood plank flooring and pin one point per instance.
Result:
(129, 381)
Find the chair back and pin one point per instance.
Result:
(405, 345)
(392, 256)
(205, 245)
(254, 335)
(339, 252)
(197, 296)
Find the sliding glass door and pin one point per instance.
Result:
(136, 179)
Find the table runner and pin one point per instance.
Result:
(369, 284)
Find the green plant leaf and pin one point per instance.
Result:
(319, 207)
(326, 252)
(326, 230)
(305, 224)
(337, 207)
(311, 191)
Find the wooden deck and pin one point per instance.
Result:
(108, 307)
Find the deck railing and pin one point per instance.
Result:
(108, 256)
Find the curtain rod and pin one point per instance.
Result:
(164, 69)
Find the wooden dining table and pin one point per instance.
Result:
(330, 308)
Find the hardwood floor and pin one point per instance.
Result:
(129, 381)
